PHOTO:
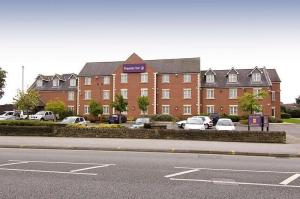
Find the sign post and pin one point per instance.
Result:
(258, 121)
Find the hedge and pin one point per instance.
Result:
(286, 115)
(27, 123)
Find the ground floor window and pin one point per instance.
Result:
(233, 110)
(71, 108)
(187, 109)
(86, 109)
(105, 109)
(210, 109)
(165, 109)
(146, 112)
(273, 112)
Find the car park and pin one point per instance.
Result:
(43, 116)
(74, 120)
(225, 124)
(140, 122)
(208, 123)
(194, 124)
(115, 119)
(10, 115)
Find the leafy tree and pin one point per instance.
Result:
(143, 102)
(96, 109)
(298, 100)
(119, 105)
(57, 107)
(2, 81)
(250, 102)
(26, 101)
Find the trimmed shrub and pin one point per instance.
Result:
(285, 116)
(163, 118)
(27, 123)
(294, 113)
(234, 118)
(244, 117)
(108, 126)
(274, 120)
(245, 122)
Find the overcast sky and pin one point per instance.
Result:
(60, 36)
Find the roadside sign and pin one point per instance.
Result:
(255, 120)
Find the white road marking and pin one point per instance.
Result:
(88, 168)
(236, 183)
(290, 179)
(56, 162)
(42, 171)
(8, 164)
(181, 173)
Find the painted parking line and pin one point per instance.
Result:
(43, 171)
(181, 173)
(48, 162)
(89, 168)
(290, 179)
(15, 163)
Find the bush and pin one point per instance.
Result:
(26, 123)
(65, 114)
(245, 122)
(244, 117)
(234, 118)
(285, 116)
(294, 113)
(274, 120)
(108, 126)
(163, 118)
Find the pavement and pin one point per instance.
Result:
(42, 173)
(152, 145)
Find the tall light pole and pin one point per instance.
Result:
(23, 79)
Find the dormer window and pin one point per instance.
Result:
(73, 82)
(39, 83)
(232, 78)
(55, 82)
(210, 78)
(256, 77)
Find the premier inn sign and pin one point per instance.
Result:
(134, 68)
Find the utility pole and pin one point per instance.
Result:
(22, 78)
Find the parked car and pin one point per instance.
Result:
(208, 123)
(139, 123)
(10, 115)
(194, 123)
(43, 116)
(24, 115)
(214, 117)
(74, 120)
(114, 119)
(181, 123)
(225, 124)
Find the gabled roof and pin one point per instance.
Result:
(210, 71)
(73, 75)
(43, 77)
(60, 77)
(232, 69)
(254, 69)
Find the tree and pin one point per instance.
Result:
(119, 105)
(250, 102)
(143, 102)
(57, 107)
(298, 100)
(95, 109)
(26, 101)
(2, 81)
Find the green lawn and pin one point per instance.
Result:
(292, 120)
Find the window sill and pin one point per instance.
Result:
(187, 98)
(210, 98)
(165, 98)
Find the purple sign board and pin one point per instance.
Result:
(255, 120)
(134, 68)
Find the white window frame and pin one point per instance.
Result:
(164, 108)
(187, 78)
(146, 112)
(210, 93)
(144, 92)
(87, 95)
(124, 93)
(233, 109)
(105, 109)
(71, 95)
(73, 82)
(71, 108)
(187, 109)
(86, 110)
(232, 78)
(39, 83)
(124, 78)
(210, 109)
(256, 77)
(87, 81)
(210, 78)
(55, 82)
(256, 92)
(163, 94)
(165, 78)
(233, 93)
(106, 80)
(273, 95)
(187, 93)
(144, 77)
(106, 94)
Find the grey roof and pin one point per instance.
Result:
(244, 79)
(182, 65)
(64, 84)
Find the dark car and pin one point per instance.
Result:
(214, 117)
(114, 119)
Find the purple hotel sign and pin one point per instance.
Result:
(134, 68)
(255, 120)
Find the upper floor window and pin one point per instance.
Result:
(124, 93)
(144, 92)
(71, 95)
(165, 93)
(257, 91)
(165, 78)
(106, 80)
(273, 95)
(39, 83)
(73, 82)
(124, 78)
(187, 93)
(144, 77)
(187, 78)
(256, 77)
(105, 94)
(87, 95)
(87, 81)
(210, 94)
(55, 82)
(210, 78)
(232, 78)
(232, 93)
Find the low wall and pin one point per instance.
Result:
(209, 135)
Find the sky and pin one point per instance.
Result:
(60, 36)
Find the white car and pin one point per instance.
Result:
(43, 116)
(139, 123)
(74, 120)
(194, 124)
(181, 123)
(225, 125)
(10, 115)
(208, 123)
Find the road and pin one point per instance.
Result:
(27, 173)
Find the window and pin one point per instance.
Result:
(87, 95)
(105, 109)
(210, 94)
(144, 77)
(187, 93)
(187, 109)
(165, 109)
(73, 82)
(232, 78)
(210, 109)
(232, 93)
(233, 110)
(124, 78)
(256, 91)
(106, 80)
(105, 94)
(187, 78)
(165, 93)
(86, 109)
(124, 93)
(273, 95)
(55, 82)
(165, 78)
(87, 81)
(144, 92)
(210, 78)
(256, 77)
(71, 108)
(39, 83)
(273, 112)
(71, 95)
(146, 112)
